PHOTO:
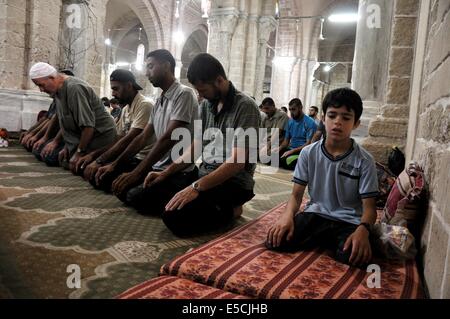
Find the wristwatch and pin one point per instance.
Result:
(99, 161)
(196, 186)
(367, 225)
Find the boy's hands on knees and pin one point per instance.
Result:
(283, 227)
(360, 246)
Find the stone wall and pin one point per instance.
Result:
(431, 148)
(12, 42)
(28, 34)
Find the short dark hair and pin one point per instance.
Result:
(344, 97)
(269, 101)
(296, 102)
(205, 68)
(284, 108)
(315, 108)
(114, 101)
(163, 55)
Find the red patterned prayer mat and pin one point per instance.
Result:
(168, 287)
(238, 262)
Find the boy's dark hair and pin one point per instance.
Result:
(268, 101)
(114, 101)
(163, 55)
(297, 102)
(315, 108)
(284, 109)
(205, 68)
(343, 97)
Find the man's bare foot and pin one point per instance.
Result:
(237, 211)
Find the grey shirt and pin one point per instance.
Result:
(239, 111)
(77, 107)
(337, 185)
(179, 103)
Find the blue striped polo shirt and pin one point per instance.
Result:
(337, 185)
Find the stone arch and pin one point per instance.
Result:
(196, 43)
(191, 19)
(147, 14)
(124, 18)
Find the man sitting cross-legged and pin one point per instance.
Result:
(299, 132)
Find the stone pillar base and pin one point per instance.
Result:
(380, 147)
(371, 109)
(19, 108)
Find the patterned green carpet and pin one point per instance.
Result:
(50, 219)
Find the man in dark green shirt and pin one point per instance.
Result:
(85, 123)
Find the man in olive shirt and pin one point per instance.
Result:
(133, 120)
(85, 123)
(275, 119)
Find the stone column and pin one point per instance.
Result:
(13, 27)
(266, 26)
(390, 127)
(222, 23)
(310, 96)
(237, 54)
(303, 80)
(373, 33)
(95, 45)
(281, 79)
(251, 56)
(28, 34)
(314, 94)
(370, 69)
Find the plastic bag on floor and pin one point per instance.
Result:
(394, 241)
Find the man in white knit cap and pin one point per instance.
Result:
(85, 123)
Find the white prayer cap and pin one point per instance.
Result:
(41, 70)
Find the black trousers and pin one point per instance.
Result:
(312, 230)
(106, 182)
(211, 210)
(284, 164)
(52, 158)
